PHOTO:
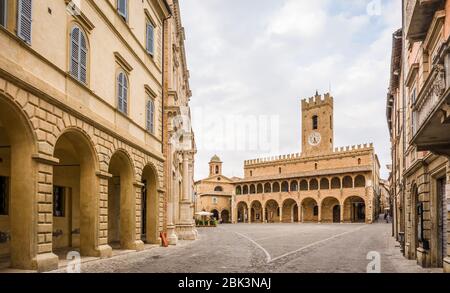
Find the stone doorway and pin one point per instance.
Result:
(337, 214)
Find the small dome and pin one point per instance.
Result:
(216, 159)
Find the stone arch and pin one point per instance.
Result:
(289, 211)
(328, 210)
(121, 201)
(259, 188)
(76, 192)
(360, 181)
(335, 183)
(324, 184)
(285, 186)
(242, 212)
(347, 182)
(238, 190)
(215, 213)
(304, 186)
(313, 184)
(276, 187)
(354, 209)
(267, 188)
(225, 216)
(294, 185)
(245, 189)
(272, 211)
(252, 189)
(150, 205)
(256, 212)
(19, 141)
(307, 210)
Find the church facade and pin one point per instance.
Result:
(322, 184)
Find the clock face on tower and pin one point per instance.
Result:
(314, 139)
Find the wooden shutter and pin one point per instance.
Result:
(150, 38)
(122, 93)
(150, 116)
(75, 52)
(83, 58)
(24, 20)
(3, 12)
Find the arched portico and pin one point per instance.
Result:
(354, 210)
(19, 171)
(309, 211)
(225, 216)
(256, 212)
(330, 210)
(150, 206)
(75, 194)
(242, 212)
(290, 211)
(121, 202)
(272, 211)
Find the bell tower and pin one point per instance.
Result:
(317, 125)
(215, 166)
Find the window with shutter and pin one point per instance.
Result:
(151, 116)
(122, 8)
(122, 93)
(150, 38)
(24, 13)
(3, 12)
(78, 55)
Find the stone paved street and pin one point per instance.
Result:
(268, 248)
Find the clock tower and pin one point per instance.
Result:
(317, 125)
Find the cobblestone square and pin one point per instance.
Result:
(267, 248)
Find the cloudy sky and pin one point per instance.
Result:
(252, 61)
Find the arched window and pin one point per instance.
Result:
(285, 186)
(304, 185)
(217, 169)
(259, 188)
(238, 190)
(360, 181)
(335, 183)
(252, 189)
(245, 191)
(150, 109)
(324, 183)
(122, 92)
(313, 184)
(267, 188)
(276, 187)
(218, 189)
(78, 55)
(315, 122)
(294, 185)
(347, 182)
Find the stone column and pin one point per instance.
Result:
(41, 256)
(281, 214)
(185, 227)
(104, 250)
(447, 208)
(299, 208)
(263, 211)
(138, 243)
(319, 218)
(171, 235)
(342, 213)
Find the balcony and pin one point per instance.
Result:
(418, 17)
(431, 114)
